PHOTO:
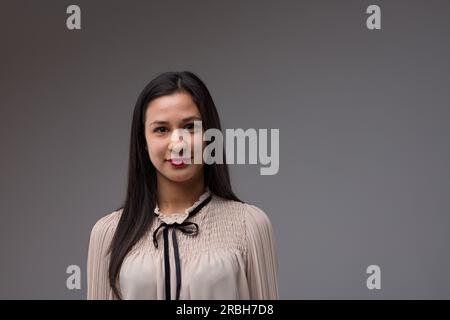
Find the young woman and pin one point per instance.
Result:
(181, 233)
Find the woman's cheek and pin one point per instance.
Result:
(154, 154)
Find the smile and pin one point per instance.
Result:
(178, 162)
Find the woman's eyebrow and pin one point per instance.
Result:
(184, 120)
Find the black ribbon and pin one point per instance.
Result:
(186, 227)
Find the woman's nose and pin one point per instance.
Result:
(177, 142)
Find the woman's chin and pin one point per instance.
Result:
(179, 176)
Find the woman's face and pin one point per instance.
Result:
(165, 118)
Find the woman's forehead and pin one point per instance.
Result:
(170, 108)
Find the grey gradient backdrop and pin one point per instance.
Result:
(363, 118)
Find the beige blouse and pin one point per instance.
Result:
(232, 255)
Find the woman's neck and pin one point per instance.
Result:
(176, 197)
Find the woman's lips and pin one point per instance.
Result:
(178, 162)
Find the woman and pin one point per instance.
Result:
(182, 233)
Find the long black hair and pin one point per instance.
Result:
(140, 200)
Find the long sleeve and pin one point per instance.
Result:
(98, 287)
(262, 262)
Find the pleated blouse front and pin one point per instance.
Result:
(230, 256)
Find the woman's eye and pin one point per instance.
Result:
(159, 129)
(189, 127)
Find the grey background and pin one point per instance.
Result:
(363, 118)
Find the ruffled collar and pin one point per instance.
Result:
(180, 217)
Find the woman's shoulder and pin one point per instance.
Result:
(251, 213)
(106, 225)
(257, 225)
(256, 218)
